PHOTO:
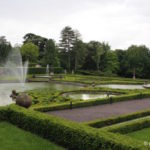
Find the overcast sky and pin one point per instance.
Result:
(119, 22)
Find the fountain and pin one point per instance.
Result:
(15, 68)
(13, 75)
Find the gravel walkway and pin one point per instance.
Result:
(102, 111)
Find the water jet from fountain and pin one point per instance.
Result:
(13, 74)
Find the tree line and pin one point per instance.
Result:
(71, 53)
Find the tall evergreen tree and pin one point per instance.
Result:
(66, 44)
(78, 54)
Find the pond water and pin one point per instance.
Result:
(121, 86)
(6, 89)
(87, 96)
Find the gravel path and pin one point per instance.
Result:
(102, 111)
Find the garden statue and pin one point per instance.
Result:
(14, 95)
(22, 100)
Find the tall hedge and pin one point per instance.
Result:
(42, 70)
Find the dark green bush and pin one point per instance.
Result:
(3, 113)
(33, 70)
(58, 70)
(42, 70)
(68, 134)
(131, 126)
(32, 64)
(115, 120)
(87, 72)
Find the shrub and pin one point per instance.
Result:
(69, 134)
(42, 70)
(3, 113)
(115, 120)
(33, 70)
(131, 126)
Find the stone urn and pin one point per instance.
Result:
(23, 100)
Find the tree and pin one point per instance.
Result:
(90, 63)
(112, 64)
(106, 48)
(122, 71)
(29, 52)
(51, 54)
(66, 44)
(95, 55)
(5, 48)
(78, 54)
(99, 52)
(137, 59)
(38, 41)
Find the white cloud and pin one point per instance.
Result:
(119, 22)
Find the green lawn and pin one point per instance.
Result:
(143, 134)
(13, 138)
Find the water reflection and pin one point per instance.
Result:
(87, 96)
(121, 86)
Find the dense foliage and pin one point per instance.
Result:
(73, 54)
(29, 52)
(5, 48)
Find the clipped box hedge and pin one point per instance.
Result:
(71, 135)
(131, 126)
(42, 70)
(33, 70)
(114, 120)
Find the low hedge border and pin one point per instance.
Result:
(128, 127)
(3, 113)
(97, 90)
(66, 133)
(87, 103)
(114, 120)
(100, 80)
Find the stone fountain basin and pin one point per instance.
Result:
(121, 86)
(88, 95)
